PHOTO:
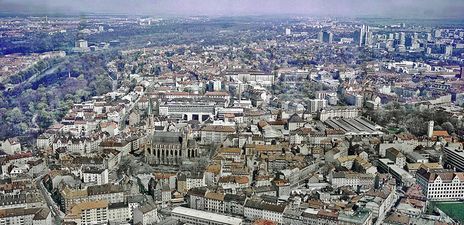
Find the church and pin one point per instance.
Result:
(170, 148)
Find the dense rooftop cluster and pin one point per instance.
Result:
(320, 122)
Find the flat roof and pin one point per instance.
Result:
(457, 151)
(400, 171)
(353, 125)
(207, 215)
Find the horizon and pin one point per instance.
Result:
(397, 9)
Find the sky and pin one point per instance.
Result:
(342, 8)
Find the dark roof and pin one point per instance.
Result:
(42, 214)
(147, 208)
(167, 137)
(258, 204)
(104, 189)
(117, 205)
(295, 118)
(235, 198)
(199, 191)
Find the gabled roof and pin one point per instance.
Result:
(440, 133)
(295, 118)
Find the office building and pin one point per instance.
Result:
(288, 31)
(402, 39)
(454, 158)
(449, 50)
(325, 36)
(363, 36)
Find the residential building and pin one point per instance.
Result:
(145, 215)
(214, 134)
(441, 184)
(258, 209)
(20, 216)
(198, 217)
(86, 213)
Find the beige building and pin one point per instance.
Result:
(109, 192)
(215, 133)
(86, 213)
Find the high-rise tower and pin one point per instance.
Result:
(430, 129)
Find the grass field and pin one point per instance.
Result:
(453, 209)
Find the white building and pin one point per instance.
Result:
(11, 146)
(20, 216)
(288, 31)
(256, 209)
(145, 215)
(197, 217)
(119, 212)
(193, 181)
(441, 184)
(352, 179)
(326, 114)
(251, 76)
(94, 175)
(454, 157)
(315, 105)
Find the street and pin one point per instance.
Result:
(56, 213)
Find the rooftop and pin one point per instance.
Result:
(222, 219)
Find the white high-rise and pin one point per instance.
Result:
(430, 129)
(317, 104)
(288, 32)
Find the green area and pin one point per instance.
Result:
(414, 119)
(453, 209)
(43, 94)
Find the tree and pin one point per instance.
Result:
(417, 126)
(448, 126)
(44, 119)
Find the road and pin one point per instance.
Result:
(129, 110)
(56, 213)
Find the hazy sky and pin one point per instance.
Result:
(393, 8)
